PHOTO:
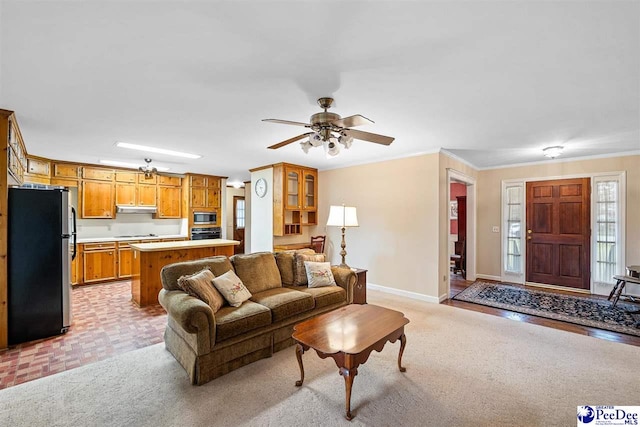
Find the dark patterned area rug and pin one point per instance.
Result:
(587, 311)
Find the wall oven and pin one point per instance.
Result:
(205, 218)
(202, 233)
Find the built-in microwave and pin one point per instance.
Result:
(205, 217)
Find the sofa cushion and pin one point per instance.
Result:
(284, 302)
(299, 272)
(231, 288)
(200, 285)
(319, 274)
(257, 271)
(172, 272)
(325, 296)
(286, 264)
(233, 321)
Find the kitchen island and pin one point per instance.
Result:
(149, 258)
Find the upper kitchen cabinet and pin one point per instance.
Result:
(295, 198)
(134, 189)
(16, 157)
(98, 174)
(204, 191)
(38, 170)
(66, 174)
(169, 202)
(96, 199)
(173, 181)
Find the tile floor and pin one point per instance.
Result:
(105, 323)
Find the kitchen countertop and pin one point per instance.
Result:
(188, 244)
(124, 239)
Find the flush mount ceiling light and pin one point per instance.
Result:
(329, 129)
(553, 152)
(149, 149)
(129, 165)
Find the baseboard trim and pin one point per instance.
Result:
(403, 293)
(489, 277)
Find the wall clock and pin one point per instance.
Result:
(261, 187)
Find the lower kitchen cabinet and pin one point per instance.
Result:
(125, 259)
(99, 262)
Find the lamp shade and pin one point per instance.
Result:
(342, 216)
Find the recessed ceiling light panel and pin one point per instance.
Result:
(129, 165)
(149, 149)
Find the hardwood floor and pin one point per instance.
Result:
(458, 284)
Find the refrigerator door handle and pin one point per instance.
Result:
(73, 233)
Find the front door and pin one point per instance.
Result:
(558, 232)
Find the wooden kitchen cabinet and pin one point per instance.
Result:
(173, 181)
(146, 195)
(65, 174)
(125, 259)
(96, 200)
(98, 174)
(16, 153)
(38, 170)
(169, 202)
(295, 198)
(125, 194)
(126, 176)
(99, 262)
(204, 191)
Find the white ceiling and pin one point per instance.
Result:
(491, 82)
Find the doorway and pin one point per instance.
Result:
(465, 242)
(558, 232)
(238, 223)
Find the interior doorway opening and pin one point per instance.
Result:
(461, 234)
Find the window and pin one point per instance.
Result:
(512, 214)
(607, 228)
(239, 213)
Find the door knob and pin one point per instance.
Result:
(529, 231)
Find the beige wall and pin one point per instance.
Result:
(489, 201)
(403, 214)
(398, 213)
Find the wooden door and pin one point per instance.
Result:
(97, 199)
(292, 180)
(169, 200)
(198, 197)
(558, 232)
(310, 189)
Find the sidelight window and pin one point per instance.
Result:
(512, 228)
(607, 209)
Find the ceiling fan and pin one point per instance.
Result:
(328, 129)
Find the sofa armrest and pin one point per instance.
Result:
(346, 279)
(193, 315)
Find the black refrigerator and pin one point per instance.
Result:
(41, 225)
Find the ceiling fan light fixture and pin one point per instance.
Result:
(315, 140)
(305, 146)
(147, 170)
(553, 152)
(331, 148)
(345, 140)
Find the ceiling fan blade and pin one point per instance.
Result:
(289, 141)
(368, 136)
(286, 122)
(351, 121)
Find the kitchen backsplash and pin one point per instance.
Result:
(130, 224)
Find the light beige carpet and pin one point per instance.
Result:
(463, 369)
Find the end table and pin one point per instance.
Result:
(360, 290)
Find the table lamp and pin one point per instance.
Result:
(342, 216)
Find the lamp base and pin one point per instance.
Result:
(343, 265)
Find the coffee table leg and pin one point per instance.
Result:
(348, 375)
(299, 351)
(403, 342)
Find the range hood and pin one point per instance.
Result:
(136, 209)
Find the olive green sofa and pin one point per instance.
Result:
(209, 345)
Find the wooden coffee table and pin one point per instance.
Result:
(348, 335)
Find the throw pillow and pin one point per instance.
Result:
(232, 288)
(200, 285)
(319, 274)
(299, 272)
